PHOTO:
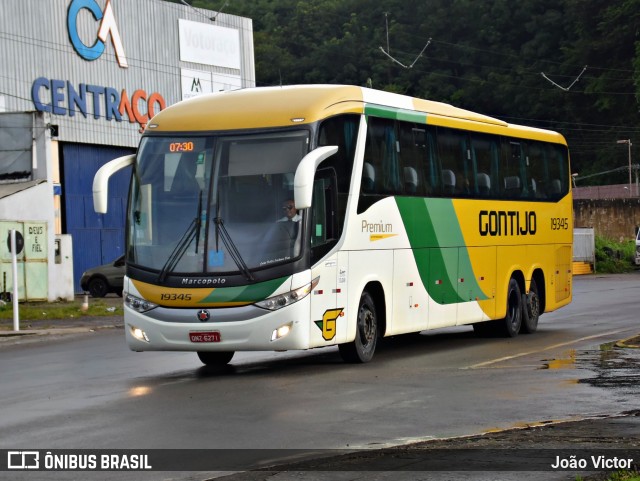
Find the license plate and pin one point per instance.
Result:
(210, 336)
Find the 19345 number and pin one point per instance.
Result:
(559, 223)
(175, 297)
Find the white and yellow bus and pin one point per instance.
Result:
(409, 215)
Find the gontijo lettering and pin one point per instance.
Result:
(108, 28)
(507, 223)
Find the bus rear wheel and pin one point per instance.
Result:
(530, 309)
(362, 348)
(513, 321)
(215, 358)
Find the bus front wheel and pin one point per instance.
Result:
(215, 358)
(364, 345)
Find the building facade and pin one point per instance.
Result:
(82, 78)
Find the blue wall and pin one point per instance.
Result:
(97, 238)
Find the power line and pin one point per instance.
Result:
(387, 52)
(566, 89)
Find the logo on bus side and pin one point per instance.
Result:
(507, 223)
(328, 323)
(377, 230)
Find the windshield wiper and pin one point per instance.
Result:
(231, 248)
(198, 220)
(221, 231)
(192, 232)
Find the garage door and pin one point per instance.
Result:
(97, 238)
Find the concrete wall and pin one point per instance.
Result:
(613, 218)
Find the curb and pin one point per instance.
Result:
(56, 331)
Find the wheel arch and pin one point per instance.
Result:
(538, 276)
(519, 277)
(100, 276)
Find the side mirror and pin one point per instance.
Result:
(101, 181)
(303, 180)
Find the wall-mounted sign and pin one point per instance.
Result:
(195, 82)
(209, 44)
(61, 97)
(107, 29)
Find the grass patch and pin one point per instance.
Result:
(614, 257)
(36, 311)
(617, 476)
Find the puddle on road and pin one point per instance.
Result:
(568, 362)
(615, 367)
(612, 366)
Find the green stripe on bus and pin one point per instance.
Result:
(249, 294)
(434, 232)
(396, 114)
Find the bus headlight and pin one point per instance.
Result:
(281, 332)
(278, 302)
(138, 333)
(138, 304)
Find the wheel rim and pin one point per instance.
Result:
(533, 306)
(366, 325)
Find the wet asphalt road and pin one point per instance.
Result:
(89, 391)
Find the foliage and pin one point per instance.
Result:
(613, 256)
(486, 56)
(616, 476)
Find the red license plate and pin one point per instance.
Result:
(210, 336)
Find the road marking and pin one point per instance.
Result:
(555, 346)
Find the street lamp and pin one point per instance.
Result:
(573, 177)
(627, 141)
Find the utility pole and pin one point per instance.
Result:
(628, 141)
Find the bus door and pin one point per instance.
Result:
(326, 312)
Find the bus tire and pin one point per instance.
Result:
(513, 320)
(215, 358)
(362, 348)
(530, 309)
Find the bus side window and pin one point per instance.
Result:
(457, 172)
(558, 172)
(413, 151)
(512, 169)
(342, 131)
(484, 154)
(538, 177)
(432, 164)
(391, 183)
(381, 175)
(368, 178)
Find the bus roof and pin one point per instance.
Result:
(296, 104)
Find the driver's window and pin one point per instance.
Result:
(323, 213)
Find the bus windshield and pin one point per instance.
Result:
(218, 205)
